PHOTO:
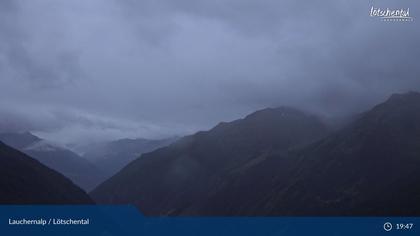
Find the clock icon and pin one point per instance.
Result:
(387, 226)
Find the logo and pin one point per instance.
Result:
(387, 14)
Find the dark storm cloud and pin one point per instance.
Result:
(42, 67)
(152, 68)
(330, 53)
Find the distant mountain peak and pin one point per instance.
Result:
(19, 140)
(22, 133)
(411, 96)
(395, 106)
(278, 111)
(44, 145)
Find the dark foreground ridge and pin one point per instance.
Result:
(79, 170)
(23, 180)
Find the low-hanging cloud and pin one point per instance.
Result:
(159, 67)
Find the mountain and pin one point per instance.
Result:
(170, 179)
(19, 140)
(371, 167)
(23, 180)
(76, 168)
(112, 156)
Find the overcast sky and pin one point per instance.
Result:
(102, 69)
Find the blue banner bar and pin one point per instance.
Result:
(127, 220)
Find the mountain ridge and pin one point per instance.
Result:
(59, 158)
(185, 167)
(24, 180)
(353, 171)
(111, 156)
